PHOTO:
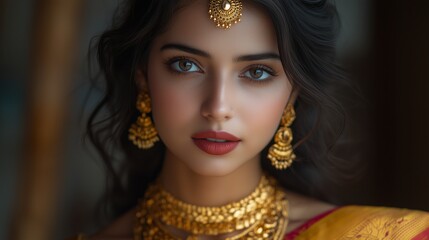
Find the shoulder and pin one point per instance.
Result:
(372, 222)
(119, 229)
(394, 222)
(302, 209)
(395, 218)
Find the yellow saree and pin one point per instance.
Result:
(361, 222)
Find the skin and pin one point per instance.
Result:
(215, 95)
(201, 78)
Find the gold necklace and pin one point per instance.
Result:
(261, 215)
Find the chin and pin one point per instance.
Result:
(213, 169)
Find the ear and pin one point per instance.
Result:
(141, 80)
(293, 96)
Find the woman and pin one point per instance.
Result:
(202, 96)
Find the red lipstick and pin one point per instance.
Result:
(215, 142)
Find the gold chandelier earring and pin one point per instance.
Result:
(281, 153)
(142, 133)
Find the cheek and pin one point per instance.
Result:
(263, 114)
(171, 107)
(266, 115)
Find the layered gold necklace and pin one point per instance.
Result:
(261, 215)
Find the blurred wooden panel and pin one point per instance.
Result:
(54, 44)
(401, 100)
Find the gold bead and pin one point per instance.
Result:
(262, 214)
(226, 5)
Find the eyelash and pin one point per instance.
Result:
(265, 68)
(172, 60)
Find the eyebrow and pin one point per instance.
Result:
(250, 57)
(255, 57)
(185, 49)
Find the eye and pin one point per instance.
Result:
(184, 65)
(259, 73)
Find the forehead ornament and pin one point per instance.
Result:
(224, 13)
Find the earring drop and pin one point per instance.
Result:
(281, 153)
(142, 133)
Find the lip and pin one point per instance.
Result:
(216, 135)
(215, 148)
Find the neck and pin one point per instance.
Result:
(202, 190)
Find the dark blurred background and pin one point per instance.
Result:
(51, 183)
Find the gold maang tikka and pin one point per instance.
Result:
(281, 153)
(142, 133)
(224, 13)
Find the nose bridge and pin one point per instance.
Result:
(218, 105)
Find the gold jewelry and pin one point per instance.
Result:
(261, 215)
(142, 133)
(281, 152)
(225, 12)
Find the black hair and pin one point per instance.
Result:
(306, 35)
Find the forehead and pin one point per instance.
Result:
(192, 26)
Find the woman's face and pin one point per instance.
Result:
(205, 81)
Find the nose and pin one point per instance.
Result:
(218, 103)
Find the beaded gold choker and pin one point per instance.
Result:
(261, 215)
